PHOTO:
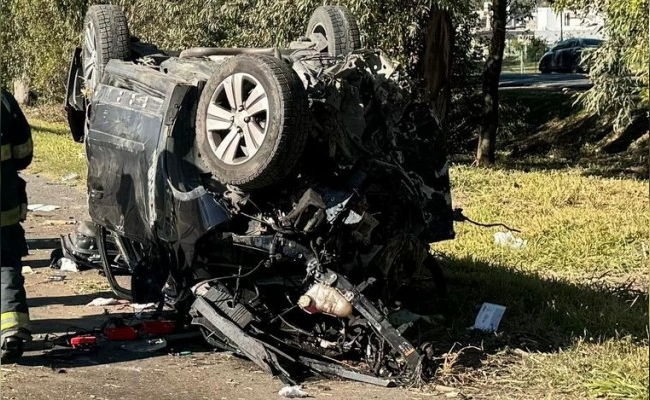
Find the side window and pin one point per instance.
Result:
(561, 45)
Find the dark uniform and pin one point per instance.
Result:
(17, 149)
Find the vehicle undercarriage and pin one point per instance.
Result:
(283, 199)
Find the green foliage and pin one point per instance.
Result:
(619, 69)
(37, 39)
(38, 36)
(535, 50)
(466, 111)
(175, 25)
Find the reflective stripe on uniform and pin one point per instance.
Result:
(22, 150)
(11, 217)
(12, 319)
(6, 152)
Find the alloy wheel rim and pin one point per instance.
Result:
(237, 119)
(90, 57)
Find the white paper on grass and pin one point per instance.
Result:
(489, 317)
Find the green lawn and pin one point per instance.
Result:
(56, 155)
(513, 64)
(576, 295)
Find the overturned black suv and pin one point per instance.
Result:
(283, 199)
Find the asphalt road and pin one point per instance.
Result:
(555, 81)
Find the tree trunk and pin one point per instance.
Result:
(437, 66)
(491, 74)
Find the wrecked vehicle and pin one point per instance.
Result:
(283, 199)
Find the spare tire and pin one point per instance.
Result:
(252, 121)
(339, 27)
(106, 37)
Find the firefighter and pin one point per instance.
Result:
(17, 150)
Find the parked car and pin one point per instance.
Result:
(283, 199)
(567, 56)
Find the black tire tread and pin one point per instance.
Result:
(351, 27)
(113, 39)
(344, 30)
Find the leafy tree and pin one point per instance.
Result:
(39, 35)
(618, 69)
(485, 153)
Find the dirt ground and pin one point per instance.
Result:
(57, 307)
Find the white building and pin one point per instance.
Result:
(547, 24)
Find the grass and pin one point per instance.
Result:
(575, 225)
(576, 295)
(513, 64)
(56, 155)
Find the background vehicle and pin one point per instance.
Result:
(566, 56)
(283, 199)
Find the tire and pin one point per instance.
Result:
(339, 27)
(245, 139)
(544, 69)
(106, 37)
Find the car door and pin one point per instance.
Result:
(127, 118)
(567, 55)
(122, 137)
(556, 59)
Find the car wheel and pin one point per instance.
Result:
(106, 36)
(252, 121)
(544, 68)
(338, 26)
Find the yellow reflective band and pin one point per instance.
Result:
(23, 150)
(6, 152)
(10, 217)
(14, 319)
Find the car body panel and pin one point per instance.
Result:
(566, 55)
(75, 103)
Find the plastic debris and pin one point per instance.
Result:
(508, 239)
(157, 327)
(27, 270)
(120, 333)
(141, 307)
(70, 177)
(83, 341)
(56, 278)
(67, 265)
(489, 317)
(293, 392)
(103, 301)
(42, 207)
(405, 316)
(146, 346)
